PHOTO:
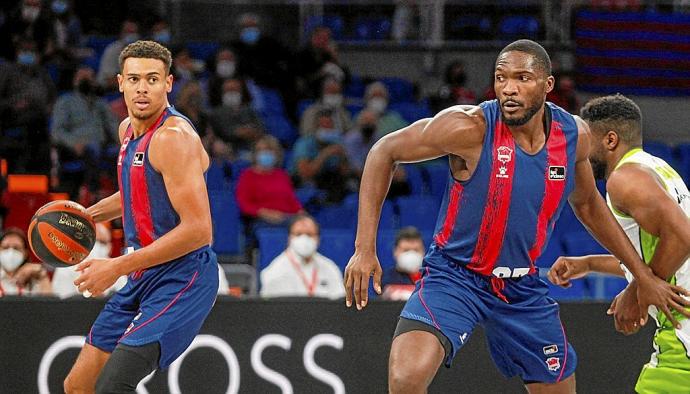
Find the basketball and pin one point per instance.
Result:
(61, 233)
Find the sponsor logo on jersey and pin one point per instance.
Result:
(463, 338)
(504, 155)
(138, 159)
(556, 173)
(551, 349)
(554, 363)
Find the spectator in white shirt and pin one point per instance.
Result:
(300, 271)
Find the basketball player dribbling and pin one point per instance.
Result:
(514, 162)
(172, 271)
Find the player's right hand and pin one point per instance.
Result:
(651, 290)
(356, 280)
(566, 269)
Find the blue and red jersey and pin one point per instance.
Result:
(498, 221)
(147, 213)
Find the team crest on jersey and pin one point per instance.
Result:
(138, 159)
(504, 155)
(556, 173)
(551, 349)
(554, 363)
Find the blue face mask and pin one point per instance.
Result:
(162, 36)
(59, 7)
(329, 136)
(26, 58)
(265, 159)
(250, 35)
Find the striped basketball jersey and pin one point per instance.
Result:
(644, 242)
(147, 213)
(498, 221)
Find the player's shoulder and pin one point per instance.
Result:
(176, 128)
(633, 180)
(465, 119)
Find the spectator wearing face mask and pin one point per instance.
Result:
(26, 97)
(376, 99)
(18, 277)
(63, 278)
(453, 90)
(319, 60)
(160, 32)
(320, 160)
(398, 281)
(67, 33)
(29, 21)
(331, 99)
(223, 66)
(109, 66)
(82, 126)
(235, 122)
(360, 139)
(265, 194)
(300, 271)
(185, 70)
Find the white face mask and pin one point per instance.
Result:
(101, 250)
(377, 104)
(232, 99)
(332, 100)
(225, 69)
(304, 245)
(410, 261)
(11, 259)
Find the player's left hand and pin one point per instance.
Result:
(626, 311)
(97, 275)
(652, 290)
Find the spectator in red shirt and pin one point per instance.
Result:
(265, 193)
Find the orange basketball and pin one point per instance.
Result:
(61, 233)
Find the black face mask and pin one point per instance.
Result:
(368, 131)
(85, 87)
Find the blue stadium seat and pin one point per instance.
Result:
(437, 179)
(389, 219)
(302, 106)
(228, 238)
(98, 44)
(238, 166)
(308, 193)
(219, 176)
(280, 127)
(333, 22)
(518, 26)
(415, 179)
(341, 216)
(354, 109)
(272, 242)
(553, 250)
(399, 90)
(337, 245)
(372, 29)
(412, 112)
(660, 150)
(355, 88)
(581, 244)
(418, 211)
(202, 50)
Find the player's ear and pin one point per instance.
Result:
(168, 83)
(550, 83)
(120, 80)
(611, 140)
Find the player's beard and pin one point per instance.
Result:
(521, 121)
(598, 168)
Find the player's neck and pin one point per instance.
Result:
(531, 136)
(141, 126)
(616, 156)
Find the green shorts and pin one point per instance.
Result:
(668, 371)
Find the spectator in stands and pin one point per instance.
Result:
(376, 98)
(160, 32)
(82, 127)
(190, 103)
(222, 67)
(235, 122)
(30, 21)
(360, 139)
(453, 91)
(109, 66)
(26, 96)
(17, 275)
(320, 160)
(300, 271)
(185, 69)
(265, 60)
(319, 60)
(564, 94)
(331, 98)
(63, 278)
(265, 194)
(399, 280)
(67, 33)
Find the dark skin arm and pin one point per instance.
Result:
(592, 211)
(637, 192)
(457, 131)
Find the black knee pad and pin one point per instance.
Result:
(126, 367)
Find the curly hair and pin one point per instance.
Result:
(146, 50)
(615, 112)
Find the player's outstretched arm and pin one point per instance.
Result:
(592, 211)
(567, 268)
(452, 131)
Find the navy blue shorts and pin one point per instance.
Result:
(525, 335)
(167, 303)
